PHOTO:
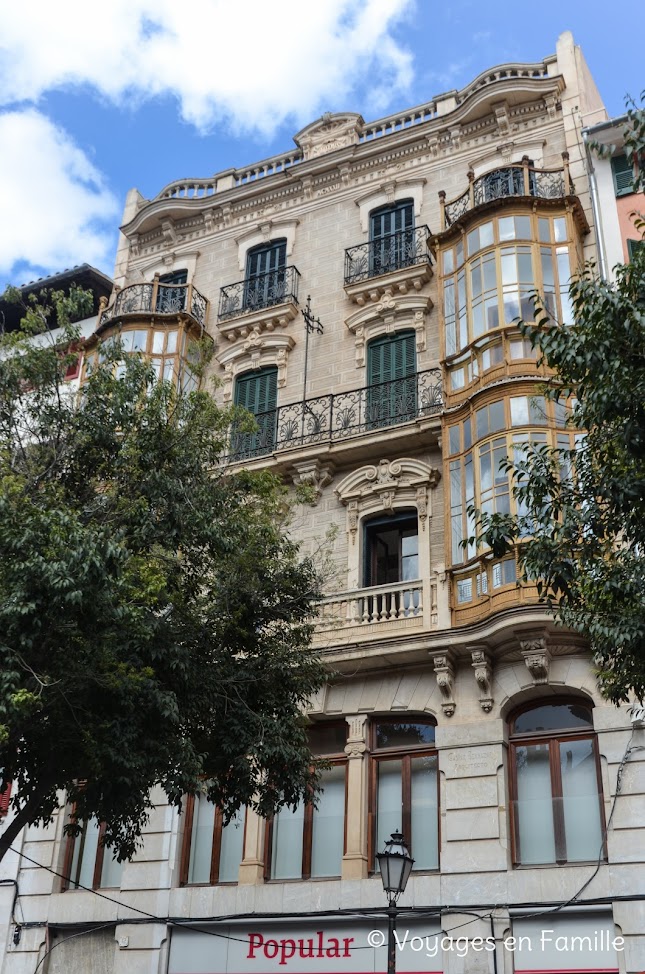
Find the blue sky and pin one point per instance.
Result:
(97, 98)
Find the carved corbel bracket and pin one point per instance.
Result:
(537, 658)
(483, 677)
(314, 474)
(445, 674)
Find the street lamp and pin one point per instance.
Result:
(395, 864)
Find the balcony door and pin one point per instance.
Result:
(392, 238)
(265, 275)
(391, 380)
(257, 392)
(171, 293)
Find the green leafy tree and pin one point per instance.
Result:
(582, 532)
(155, 617)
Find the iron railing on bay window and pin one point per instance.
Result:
(164, 299)
(341, 415)
(391, 252)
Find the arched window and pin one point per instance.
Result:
(264, 285)
(555, 784)
(392, 238)
(404, 787)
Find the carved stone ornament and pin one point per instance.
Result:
(386, 486)
(537, 658)
(356, 744)
(445, 674)
(332, 131)
(314, 474)
(393, 311)
(483, 677)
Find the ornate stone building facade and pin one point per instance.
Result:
(457, 710)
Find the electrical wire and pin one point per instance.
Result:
(191, 923)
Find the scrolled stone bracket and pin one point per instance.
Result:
(445, 675)
(483, 677)
(537, 658)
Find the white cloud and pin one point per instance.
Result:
(251, 64)
(56, 210)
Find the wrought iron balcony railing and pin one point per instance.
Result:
(262, 291)
(517, 180)
(341, 415)
(164, 299)
(392, 252)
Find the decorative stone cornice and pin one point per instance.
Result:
(333, 131)
(254, 353)
(445, 674)
(394, 311)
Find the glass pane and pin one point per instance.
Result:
(544, 230)
(329, 824)
(286, 853)
(560, 227)
(111, 870)
(84, 856)
(465, 590)
(232, 848)
(389, 801)
(171, 342)
(534, 812)
(157, 342)
(328, 738)
(453, 438)
(168, 369)
(486, 235)
(201, 841)
(424, 814)
(519, 411)
(582, 829)
(139, 341)
(554, 716)
(395, 734)
(448, 261)
(523, 227)
(506, 228)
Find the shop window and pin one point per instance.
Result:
(555, 784)
(257, 392)
(404, 788)
(391, 379)
(264, 284)
(212, 851)
(88, 862)
(392, 238)
(309, 841)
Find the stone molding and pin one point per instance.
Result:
(393, 312)
(385, 487)
(254, 353)
(264, 232)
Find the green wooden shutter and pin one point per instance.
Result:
(391, 360)
(633, 246)
(257, 392)
(391, 357)
(623, 174)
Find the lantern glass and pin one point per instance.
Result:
(395, 864)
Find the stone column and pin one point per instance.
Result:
(252, 865)
(355, 858)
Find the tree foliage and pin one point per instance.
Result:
(155, 617)
(581, 534)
